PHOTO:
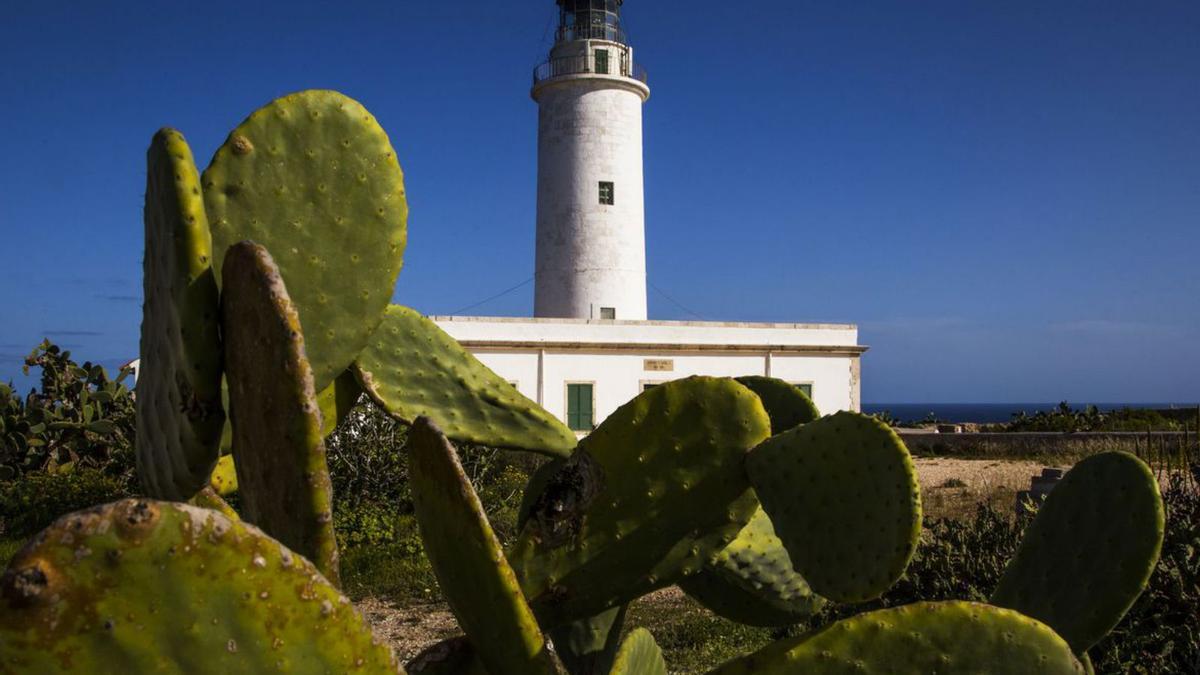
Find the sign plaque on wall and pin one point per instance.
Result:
(660, 365)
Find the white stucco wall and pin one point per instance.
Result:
(590, 255)
(543, 356)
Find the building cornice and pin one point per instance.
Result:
(656, 347)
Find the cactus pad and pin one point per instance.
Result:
(649, 496)
(281, 471)
(842, 493)
(752, 580)
(1090, 551)
(470, 565)
(155, 587)
(590, 645)
(412, 368)
(337, 400)
(179, 413)
(786, 405)
(928, 637)
(639, 655)
(224, 475)
(313, 177)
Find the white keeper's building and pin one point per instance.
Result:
(589, 347)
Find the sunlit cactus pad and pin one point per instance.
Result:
(313, 177)
(156, 587)
(278, 447)
(930, 637)
(639, 655)
(1090, 551)
(842, 493)
(337, 400)
(752, 581)
(179, 413)
(470, 565)
(649, 496)
(786, 405)
(411, 368)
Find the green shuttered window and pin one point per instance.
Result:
(580, 415)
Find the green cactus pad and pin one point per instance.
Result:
(337, 400)
(639, 655)
(590, 645)
(842, 493)
(281, 472)
(930, 637)
(448, 657)
(1090, 551)
(470, 565)
(179, 413)
(156, 587)
(313, 177)
(411, 368)
(209, 499)
(224, 475)
(786, 405)
(752, 580)
(652, 494)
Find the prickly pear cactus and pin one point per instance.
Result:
(752, 581)
(224, 475)
(927, 637)
(337, 400)
(412, 368)
(648, 497)
(470, 565)
(1090, 551)
(277, 441)
(155, 587)
(313, 177)
(842, 493)
(639, 655)
(588, 646)
(179, 413)
(785, 404)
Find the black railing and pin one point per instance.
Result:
(583, 65)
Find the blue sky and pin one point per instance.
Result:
(1004, 196)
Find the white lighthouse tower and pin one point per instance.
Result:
(591, 239)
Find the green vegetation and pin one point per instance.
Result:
(1091, 418)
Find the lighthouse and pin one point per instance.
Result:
(589, 348)
(591, 239)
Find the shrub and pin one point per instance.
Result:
(30, 503)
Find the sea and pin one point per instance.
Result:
(986, 413)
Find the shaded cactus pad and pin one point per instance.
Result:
(639, 655)
(648, 497)
(752, 581)
(842, 493)
(1090, 551)
(470, 565)
(411, 368)
(313, 177)
(280, 452)
(786, 405)
(179, 413)
(155, 587)
(929, 637)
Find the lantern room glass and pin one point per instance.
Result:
(590, 20)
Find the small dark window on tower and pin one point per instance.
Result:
(606, 193)
(608, 313)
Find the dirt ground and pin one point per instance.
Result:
(950, 487)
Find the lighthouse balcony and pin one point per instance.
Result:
(596, 62)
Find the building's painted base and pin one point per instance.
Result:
(620, 358)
